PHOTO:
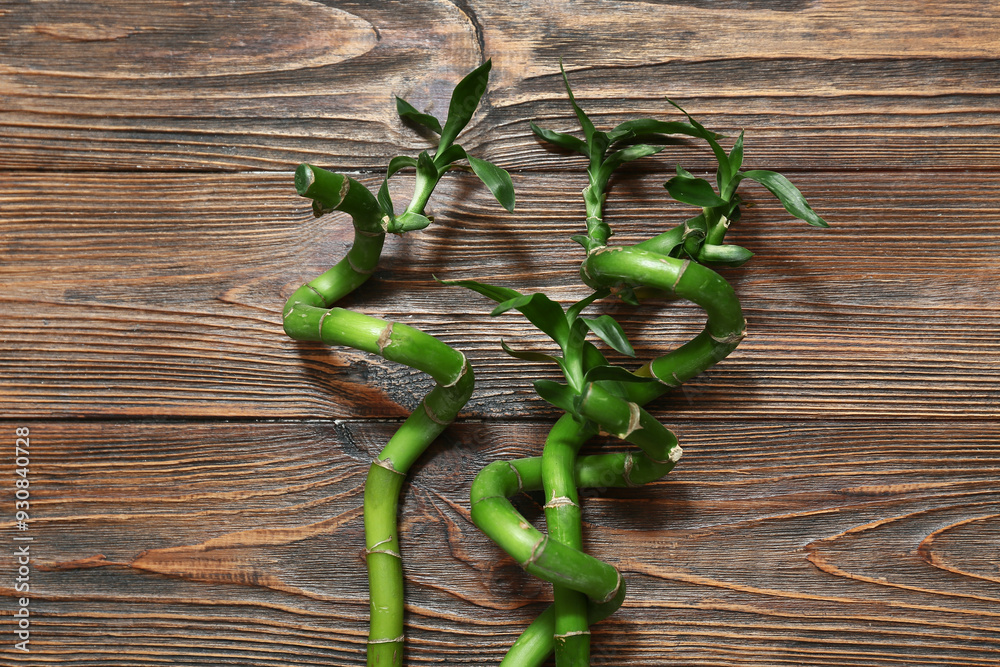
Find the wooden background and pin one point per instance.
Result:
(196, 476)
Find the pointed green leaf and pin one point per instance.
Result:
(408, 112)
(788, 194)
(592, 357)
(496, 179)
(495, 292)
(627, 294)
(643, 127)
(585, 122)
(574, 311)
(400, 162)
(557, 394)
(450, 154)
(384, 200)
(608, 330)
(614, 374)
(567, 141)
(694, 191)
(528, 355)
(464, 100)
(725, 171)
(618, 158)
(736, 156)
(426, 167)
(547, 315)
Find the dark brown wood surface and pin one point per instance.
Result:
(196, 476)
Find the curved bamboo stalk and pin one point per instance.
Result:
(564, 627)
(310, 315)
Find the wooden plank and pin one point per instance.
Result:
(105, 86)
(160, 295)
(773, 542)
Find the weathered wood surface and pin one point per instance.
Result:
(196, 476)
(887, 314)
(777, 542)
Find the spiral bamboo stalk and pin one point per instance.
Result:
(672, 264)
(310, 314)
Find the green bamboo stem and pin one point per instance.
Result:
(563, 519)
(725, 328)
(501, 480)
(564, 626)
(310, 315)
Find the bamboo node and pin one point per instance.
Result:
(345, 187)
(627, 470)
(634, 416)
(731, 338)
(536, 551)
(560, 501)
(466, 368)
(387, 552)
(611, 596)
(680, 274)
(387, 641)
(433, 417)
(321, 318)
(520, 481)
(384, 338)
(604, 249)
(387, 464)
(360, 272)
(575, 633)
(319, 294)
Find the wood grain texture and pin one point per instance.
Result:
(900, 325)
(196, 477)
(859, 535)
(269, 83)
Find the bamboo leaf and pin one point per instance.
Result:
(642, 127)
(592, 357)
(614, 374)
(495, 292)
(618, 158)
(408, 112)
(788, 194)
(608, 330)
(496, 179)
(426, 167)
(464, 100)
(400, 162)
(585, 122)
(695, 191)
(384, 200)
(574, 311)
(725, 171)
(450, 154)
(528, 355)
(557, 394)
(736, 156)
(547, 315)
(567, 141)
